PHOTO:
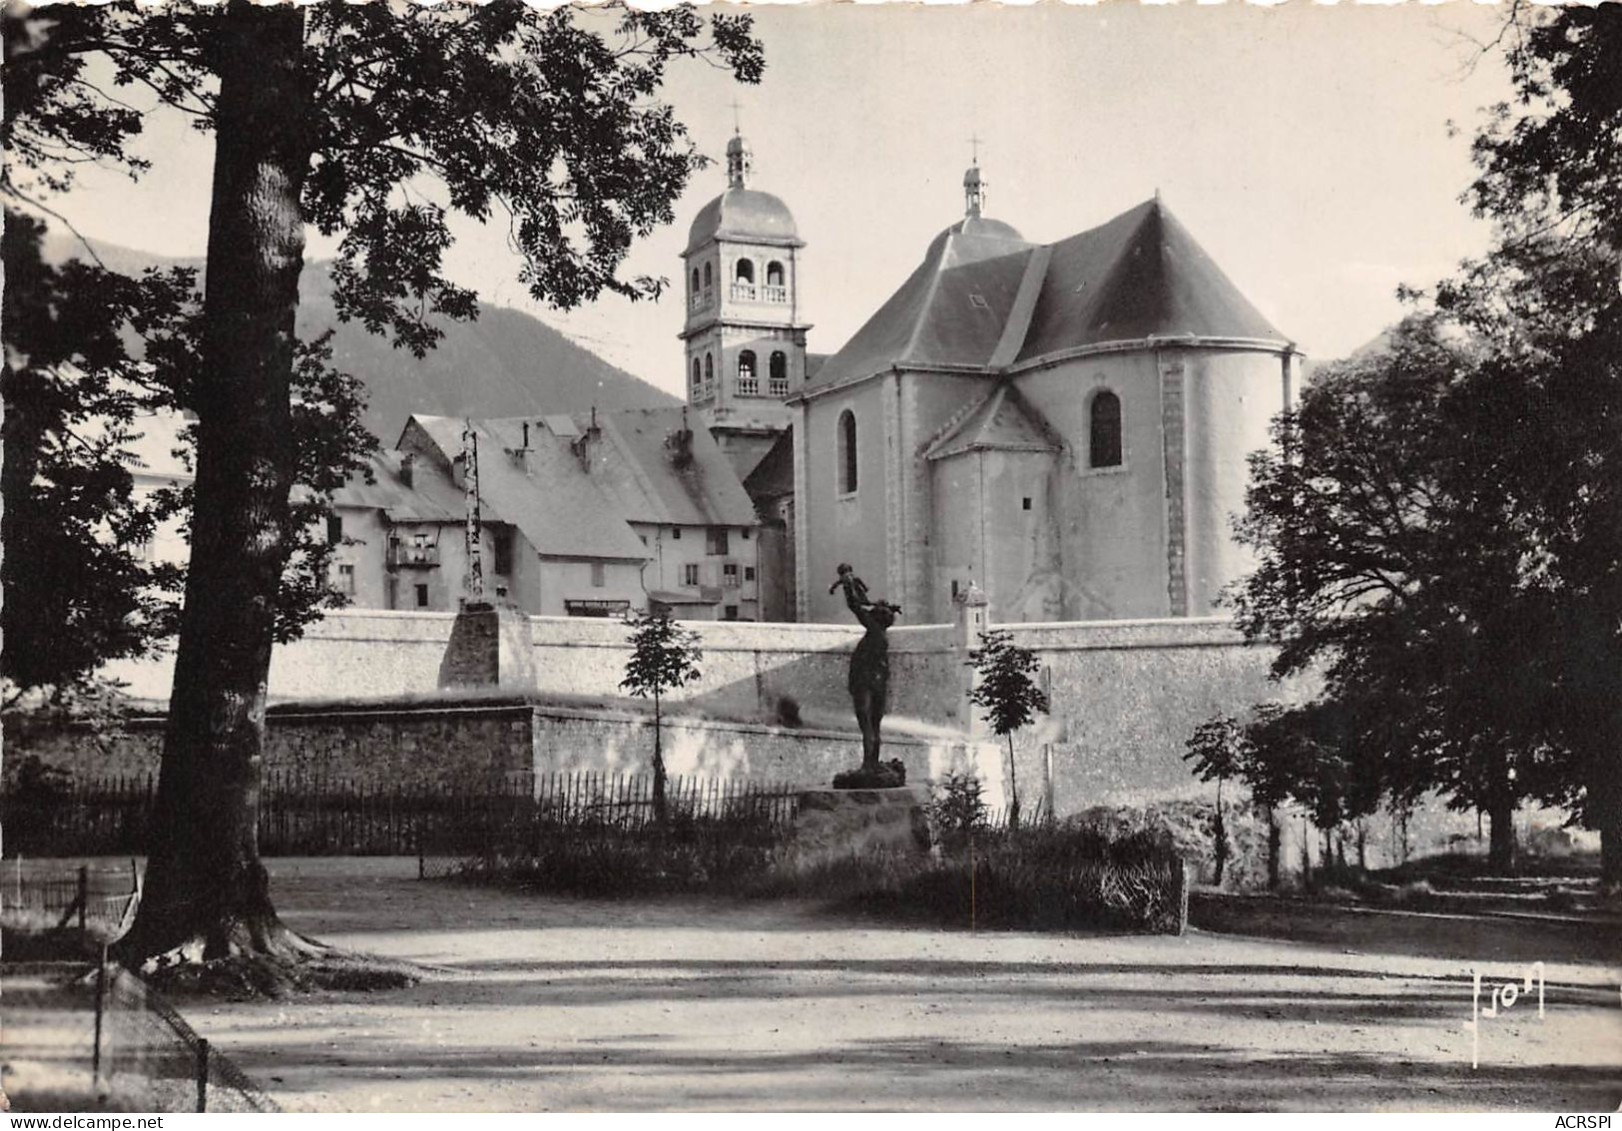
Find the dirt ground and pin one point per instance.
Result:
(541, 1003)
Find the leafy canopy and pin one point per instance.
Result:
(1005, 687)
(664, 655)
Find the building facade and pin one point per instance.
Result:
(585, 515)
(1066, 425)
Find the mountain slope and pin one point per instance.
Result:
(504, 363)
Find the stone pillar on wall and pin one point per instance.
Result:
(1172, 438)
(490, 646)
(973, 610)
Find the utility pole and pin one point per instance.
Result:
(473, 583)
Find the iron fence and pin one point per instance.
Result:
(99, 1039)
(319, 815)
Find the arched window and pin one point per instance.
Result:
(709, 370)
(1104, 435)
(695, 280)
(774, 274)
(847, 452)
(746, 271)
(709, 280)
(778, 374)
(698, 375)
(748, 386)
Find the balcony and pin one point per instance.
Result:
(700, 301)
(744, 292)
(748, 387)
(769, 293)
(407, 555)
(778, 388)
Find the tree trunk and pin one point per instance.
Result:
(1501, 845)
(1013, 786)
(658, 764)
(206, 891)
(1275, 846)
(1221, 839)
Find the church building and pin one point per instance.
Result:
(1066, 425)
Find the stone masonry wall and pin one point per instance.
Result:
(466, 745)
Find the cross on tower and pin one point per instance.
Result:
(737, 122)
(974, 142)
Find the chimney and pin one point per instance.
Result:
(408, 469)
(583, 443)
(680, 443)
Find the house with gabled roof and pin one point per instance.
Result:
(591, 514)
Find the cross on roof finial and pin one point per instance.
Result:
(737, 122)
(974, 143)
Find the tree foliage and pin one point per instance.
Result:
(664, 657)
(1004, 687)
(371, 123)
(78, 590)
(1440, 526)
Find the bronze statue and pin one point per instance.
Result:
(869, 682)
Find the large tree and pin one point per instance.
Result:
(1387, 562)
(1457, 559)
(1549, 401)
(372, 123)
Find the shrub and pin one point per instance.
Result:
(1188, 828)
(957, 810)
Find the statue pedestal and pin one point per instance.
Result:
(490, 646)
(833, 823)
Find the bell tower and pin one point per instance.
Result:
(744, 337)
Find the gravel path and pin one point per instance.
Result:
(559, 1004)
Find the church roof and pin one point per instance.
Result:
(744, 214)
(983, 299)
(1141, 275)
(1003, 420)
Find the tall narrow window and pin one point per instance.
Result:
(503, 546)
(709, 371)
(847, 452)
(709, 279)
(695, 280)
(748, 386)
(774, 274)
(746, 271)
(599, 578)
(778, 374)
(698, 375)
(1104, 438)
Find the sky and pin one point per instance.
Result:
(1306, 147)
